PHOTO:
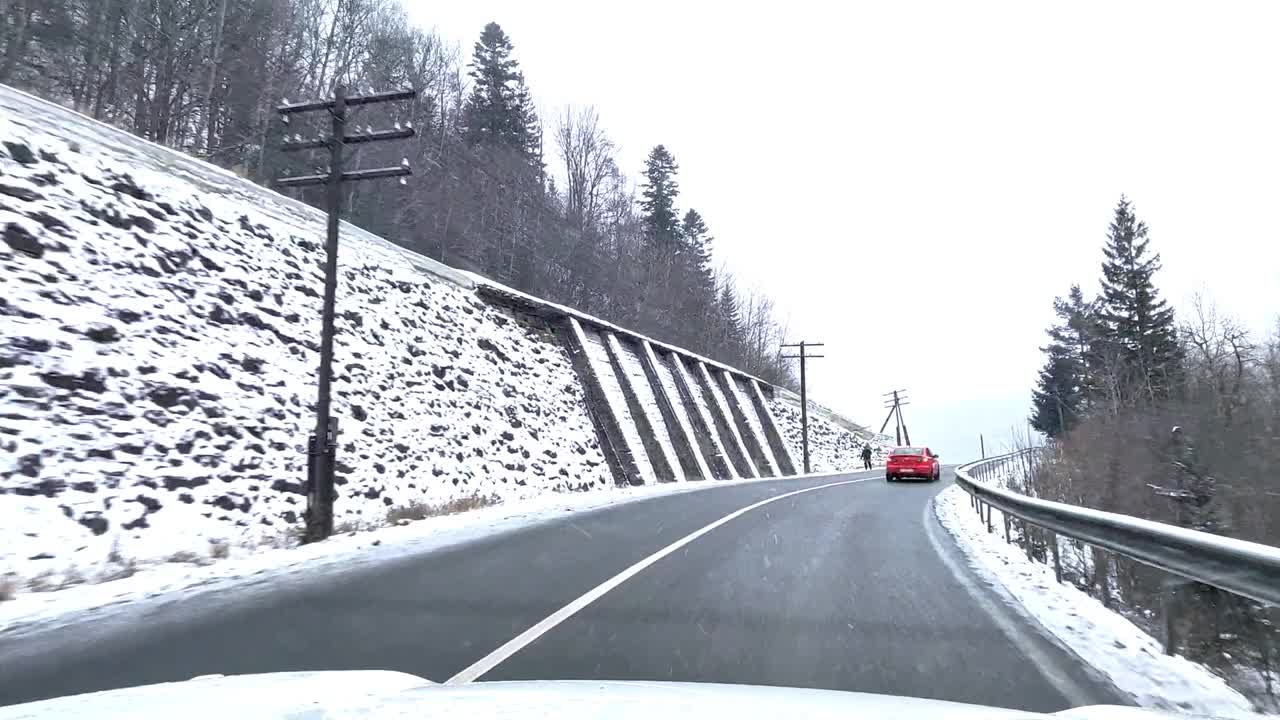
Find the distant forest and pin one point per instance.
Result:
(204, 76)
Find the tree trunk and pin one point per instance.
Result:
(215, 59)
(16, 46)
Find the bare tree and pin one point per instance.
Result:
(587, 154)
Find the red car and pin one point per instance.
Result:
(912, 462)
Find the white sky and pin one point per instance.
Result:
(913, 182)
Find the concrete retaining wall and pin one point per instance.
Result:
(665, 414)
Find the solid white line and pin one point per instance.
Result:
(512, 646)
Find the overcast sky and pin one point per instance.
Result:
(914, 182)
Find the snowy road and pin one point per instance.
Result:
(852, 586)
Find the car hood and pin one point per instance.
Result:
(382, 694)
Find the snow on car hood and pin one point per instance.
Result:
(392, 695)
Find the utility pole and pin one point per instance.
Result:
(804, 394)
(323, 443)
(894, 400)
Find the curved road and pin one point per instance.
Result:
(853, 586)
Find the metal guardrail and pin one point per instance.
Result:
(1237, 566)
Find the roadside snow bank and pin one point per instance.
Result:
(1132, 660)
(32, 613)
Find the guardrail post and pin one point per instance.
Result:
(1057, 560)
(1006, 529)
(1168, 603)
(989, 528)
(1026, 538)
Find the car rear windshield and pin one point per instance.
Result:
(908, 451)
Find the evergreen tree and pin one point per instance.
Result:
(658, 200)
(499, 111)
(1079, 333)
(732, 334)
(696, 236)
(1139, 326)
(697, 239)
(1066, 385)
(697, 297)
(1057, 398)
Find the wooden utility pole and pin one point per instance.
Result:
(894, 400)
(803, 357)
(323, 443)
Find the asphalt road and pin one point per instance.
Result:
(850, 587)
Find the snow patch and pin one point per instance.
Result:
(739, 395)
(638, 379)
(1132, 660)
(598, 358)
(668, 381)
(704, 413)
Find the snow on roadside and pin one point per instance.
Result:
(1133, 660)
(31, 613)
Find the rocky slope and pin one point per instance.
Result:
(158, 340)
(159, 320)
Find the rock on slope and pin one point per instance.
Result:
(158, 338)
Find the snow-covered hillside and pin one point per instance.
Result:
(832, 447)
(158, 339)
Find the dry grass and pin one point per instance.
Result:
(126, 569)
(185, 556)
(114, 556)
(72, 576)
(8, 588)
(219, 549)
(421, 510)
(44, 582)
(349, 527)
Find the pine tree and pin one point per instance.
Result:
(697, 283)
(1057, 398)
(1080, 333)
(1138, 324)
(697, 240)
(499, 111)
(658, 203)
(1065, 384)
(732, 333)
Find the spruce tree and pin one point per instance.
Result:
(499, 111)
(1064, 387)
(658, 200)
(1138, 324)
(697, 240)
(1080, 333)
(730, 321)
(1057, 398)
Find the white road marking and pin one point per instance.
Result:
(512, 646)
(1048, 667)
